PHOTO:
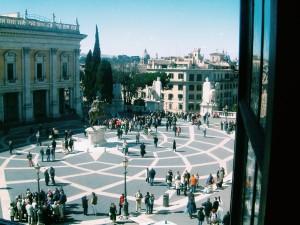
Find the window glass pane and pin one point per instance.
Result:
(249, 185)
(191, 77)
(180, 87)
(265, 69)
(65, 70)
(191, 87)
(256, 64)
(199, 77)
(39, 70)
(10, 71)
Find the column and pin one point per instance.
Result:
(1, 107)
(27, 96)
(77, 98)
(20, 106)
(53, 98)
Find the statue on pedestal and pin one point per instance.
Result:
(96, 111)
(206, 95)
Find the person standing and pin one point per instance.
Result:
(152, 173)
(174, 145)
(42, 153)
(29, 210)
(29, 157)
(71, 144)
(155, 139)
(204, 131)
(226, 218)
(151, 203)
(143, 149)
(146, 200)
(137, 137)
(147, 175)
(47, 177)
(53, 153)
(138, 200)
(94, 201)
(207, 209)
(12, 211)
(200, 216)
(193, 183)
(113, 212)
(216, 204)
(38, 139)
(52, 175)
(53, 144)
(85, 205)
(177, 186)
(121, 202)
(178, 131)
(48, 153)
(10, 147)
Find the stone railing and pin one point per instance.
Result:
(33, 24)
(222, 114)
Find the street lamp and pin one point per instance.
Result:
(125, 164)
(225, 109)
(39, 212)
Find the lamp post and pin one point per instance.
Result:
(125, 164)
(39, 212)
(225, 109)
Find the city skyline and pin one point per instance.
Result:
(165, 28)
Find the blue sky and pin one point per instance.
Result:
(165, 27)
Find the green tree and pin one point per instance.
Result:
(97, 51)
(88, 79)
(105, 81)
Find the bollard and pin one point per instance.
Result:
(87, 150)
(166, 200)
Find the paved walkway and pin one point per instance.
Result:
(100, 170)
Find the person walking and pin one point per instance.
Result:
(47, 177)
(85, 205)
(138, 200)
(174, 145)
(178, 131)
(152, 173)
(113, 212)
(191, 207)
(52, 175)
(12, 212)
(143, 149)
(200, 216)
(53, 144)
(42, 153)
(10, 147)
(29, 157)
(94, 201)
(121, 202)
(48, 153)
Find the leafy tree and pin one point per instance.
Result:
(139, 102)
(105, 81)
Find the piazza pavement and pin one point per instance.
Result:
(100, 169)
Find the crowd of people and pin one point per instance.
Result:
(53, 202)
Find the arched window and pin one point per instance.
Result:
(10, 59)
(39, 65)
(64, 66)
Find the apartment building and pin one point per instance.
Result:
(39, 68)
(187, 76)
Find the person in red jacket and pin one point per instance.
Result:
(121, 202)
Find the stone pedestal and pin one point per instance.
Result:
(153, 105)
(96, 135)
(206, 108)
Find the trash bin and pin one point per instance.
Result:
(166, 200)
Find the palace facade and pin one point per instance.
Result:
(39, 68)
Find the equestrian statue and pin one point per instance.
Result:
(96, 111)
